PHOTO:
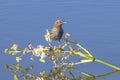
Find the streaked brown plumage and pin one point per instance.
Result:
(57, 31)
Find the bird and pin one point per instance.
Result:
(57, 31)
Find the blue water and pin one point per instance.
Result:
(93, 23)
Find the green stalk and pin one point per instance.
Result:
(107, 74)
(107, 64)
(84, 50)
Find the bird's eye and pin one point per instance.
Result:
(61, 22)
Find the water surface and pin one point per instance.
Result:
(95, 24)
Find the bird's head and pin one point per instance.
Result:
(59, 22)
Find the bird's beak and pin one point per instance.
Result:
(64, 22)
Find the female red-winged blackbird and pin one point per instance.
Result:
(57, 31)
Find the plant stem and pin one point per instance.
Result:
(107, 64)
(107, 74)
